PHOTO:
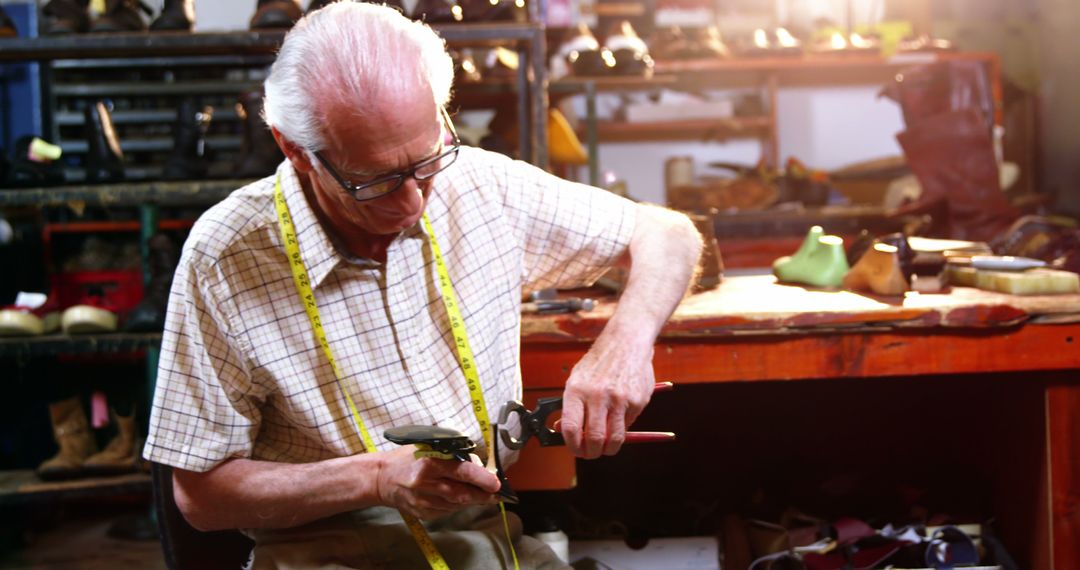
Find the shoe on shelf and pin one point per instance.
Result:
(175, 16)
(629, 51)
(839, 44)
(581, 55)
(819, 262)
(72, 434)
(149, 314)
(32, 314)
(35, 164)
(769, 43)
(120, 454)
(7, 25)
(275, 14)
(60, 17)
(878, 271)
(121, 16)
(104, 158)
(188, 159)
(94, 313)
(259, 152)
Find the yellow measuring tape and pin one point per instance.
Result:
(465, 358)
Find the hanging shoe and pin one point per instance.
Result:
(35, 164)
(175, 16)
(259, 152)
(188, 160)
(629, 50)
(820, 261)
(275, 14)
(104, 158)
(120, 454)
(72, 433)
(121, 16)
(7, 25)
(61, 17)
(149, 314)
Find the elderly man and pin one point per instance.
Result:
(376, 232)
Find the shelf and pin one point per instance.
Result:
(697, 129)
(183, 193)
(180, 88)
(575, 84)
(51, 345)
(23, 485)
(812, 62)
(221, 43)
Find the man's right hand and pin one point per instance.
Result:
(428, 488)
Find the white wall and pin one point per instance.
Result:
(826, 127)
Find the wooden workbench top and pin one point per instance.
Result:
(757, 304)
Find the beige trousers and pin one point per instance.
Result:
(376, 538)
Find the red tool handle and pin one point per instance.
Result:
(649, 436)
(663, 387)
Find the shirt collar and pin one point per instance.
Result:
(320, 256)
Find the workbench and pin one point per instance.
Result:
(967, 385)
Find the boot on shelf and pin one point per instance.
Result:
(104, 158)
(61, 17)
(175, 16)
(952, 155)
(7, 25)
(188, 160)
(72, 433)
(629, 50)
(149, 314)
(121, 16)
(275, 14)
(259, 152)
(120, 454)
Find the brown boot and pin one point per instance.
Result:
(72, 434)
(121, 454)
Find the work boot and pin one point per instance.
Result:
(121, 16)
(104, 158)
(120, 454)
(952, 155)
(61, 17)
(72, 433)
(259, 152)
(7, 25)
(188, 160)
(35, 164)
(149, 314)
(276, 14)
(176, 16)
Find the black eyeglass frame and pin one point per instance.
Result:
(362, 192)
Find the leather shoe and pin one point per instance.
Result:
(121, 16)
(61, 17)
(629, 51)
(176, 16)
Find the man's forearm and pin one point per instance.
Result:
(244, 493)
(664, 252)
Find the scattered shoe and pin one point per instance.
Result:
(275, 14)
(32, 314)
(120, 454)
(35, 164)
(121, 16)
(259, 152)
(61, 17)
(878, 271)
(104, 158)
(149, 314)
(175, 16)
(72, 433)
(819, 261)
(188, 160)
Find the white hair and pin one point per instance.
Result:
(351, 55)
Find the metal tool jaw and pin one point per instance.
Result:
(533, 423)
(433, 438)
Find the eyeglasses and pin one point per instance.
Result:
(383, 185)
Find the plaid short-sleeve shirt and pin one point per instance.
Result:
(241, 374)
